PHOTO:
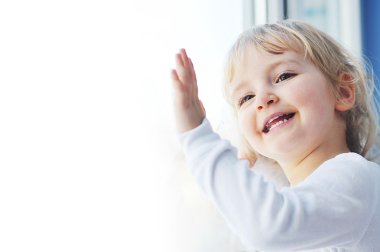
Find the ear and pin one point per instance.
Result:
(347, 91)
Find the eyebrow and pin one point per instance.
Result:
(237, 87)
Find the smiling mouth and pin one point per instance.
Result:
(277, 121)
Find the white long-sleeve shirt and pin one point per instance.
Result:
(336, 208)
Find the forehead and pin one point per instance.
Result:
(254, 59)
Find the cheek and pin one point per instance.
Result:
(251, 133)
(318, 101)
(303, 95)
(243, 121)
(247, 125)
(317, 107)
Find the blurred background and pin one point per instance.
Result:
(89, 159)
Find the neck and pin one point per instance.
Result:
(298, 171)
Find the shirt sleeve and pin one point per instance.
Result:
(324, 211)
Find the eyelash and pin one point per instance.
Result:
(244, 99)
(279, 79)
(286, 74)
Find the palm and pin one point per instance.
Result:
(189, 111)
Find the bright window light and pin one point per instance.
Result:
(86, 116)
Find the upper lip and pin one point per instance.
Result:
(273, 117)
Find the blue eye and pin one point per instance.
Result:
(245, 99)
(284, 76)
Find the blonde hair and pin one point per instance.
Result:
(333, 60)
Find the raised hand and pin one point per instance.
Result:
(188, 109)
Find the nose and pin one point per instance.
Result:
(265, 100)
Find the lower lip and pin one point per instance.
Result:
(281, 125)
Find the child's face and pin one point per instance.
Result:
(285, 105)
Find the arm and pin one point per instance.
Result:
(311, 215)
(322, 212)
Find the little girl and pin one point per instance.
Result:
(301, 100)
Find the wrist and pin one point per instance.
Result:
(188, 124)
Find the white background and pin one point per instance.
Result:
(86, 132)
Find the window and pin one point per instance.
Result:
(86, 116)
(339, 18)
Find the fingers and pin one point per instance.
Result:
(175, 78)
(179, 62)
(185, 58)
(184, 73)
(177, 84)
(181, 69)
(249, 157)
(189, 110)
(194, 76)
(182, 60)
(174, 75)
(184, 69)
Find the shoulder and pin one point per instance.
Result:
(348, 172)
(351, 164)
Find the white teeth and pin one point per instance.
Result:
(278, 123)
(271, 120)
